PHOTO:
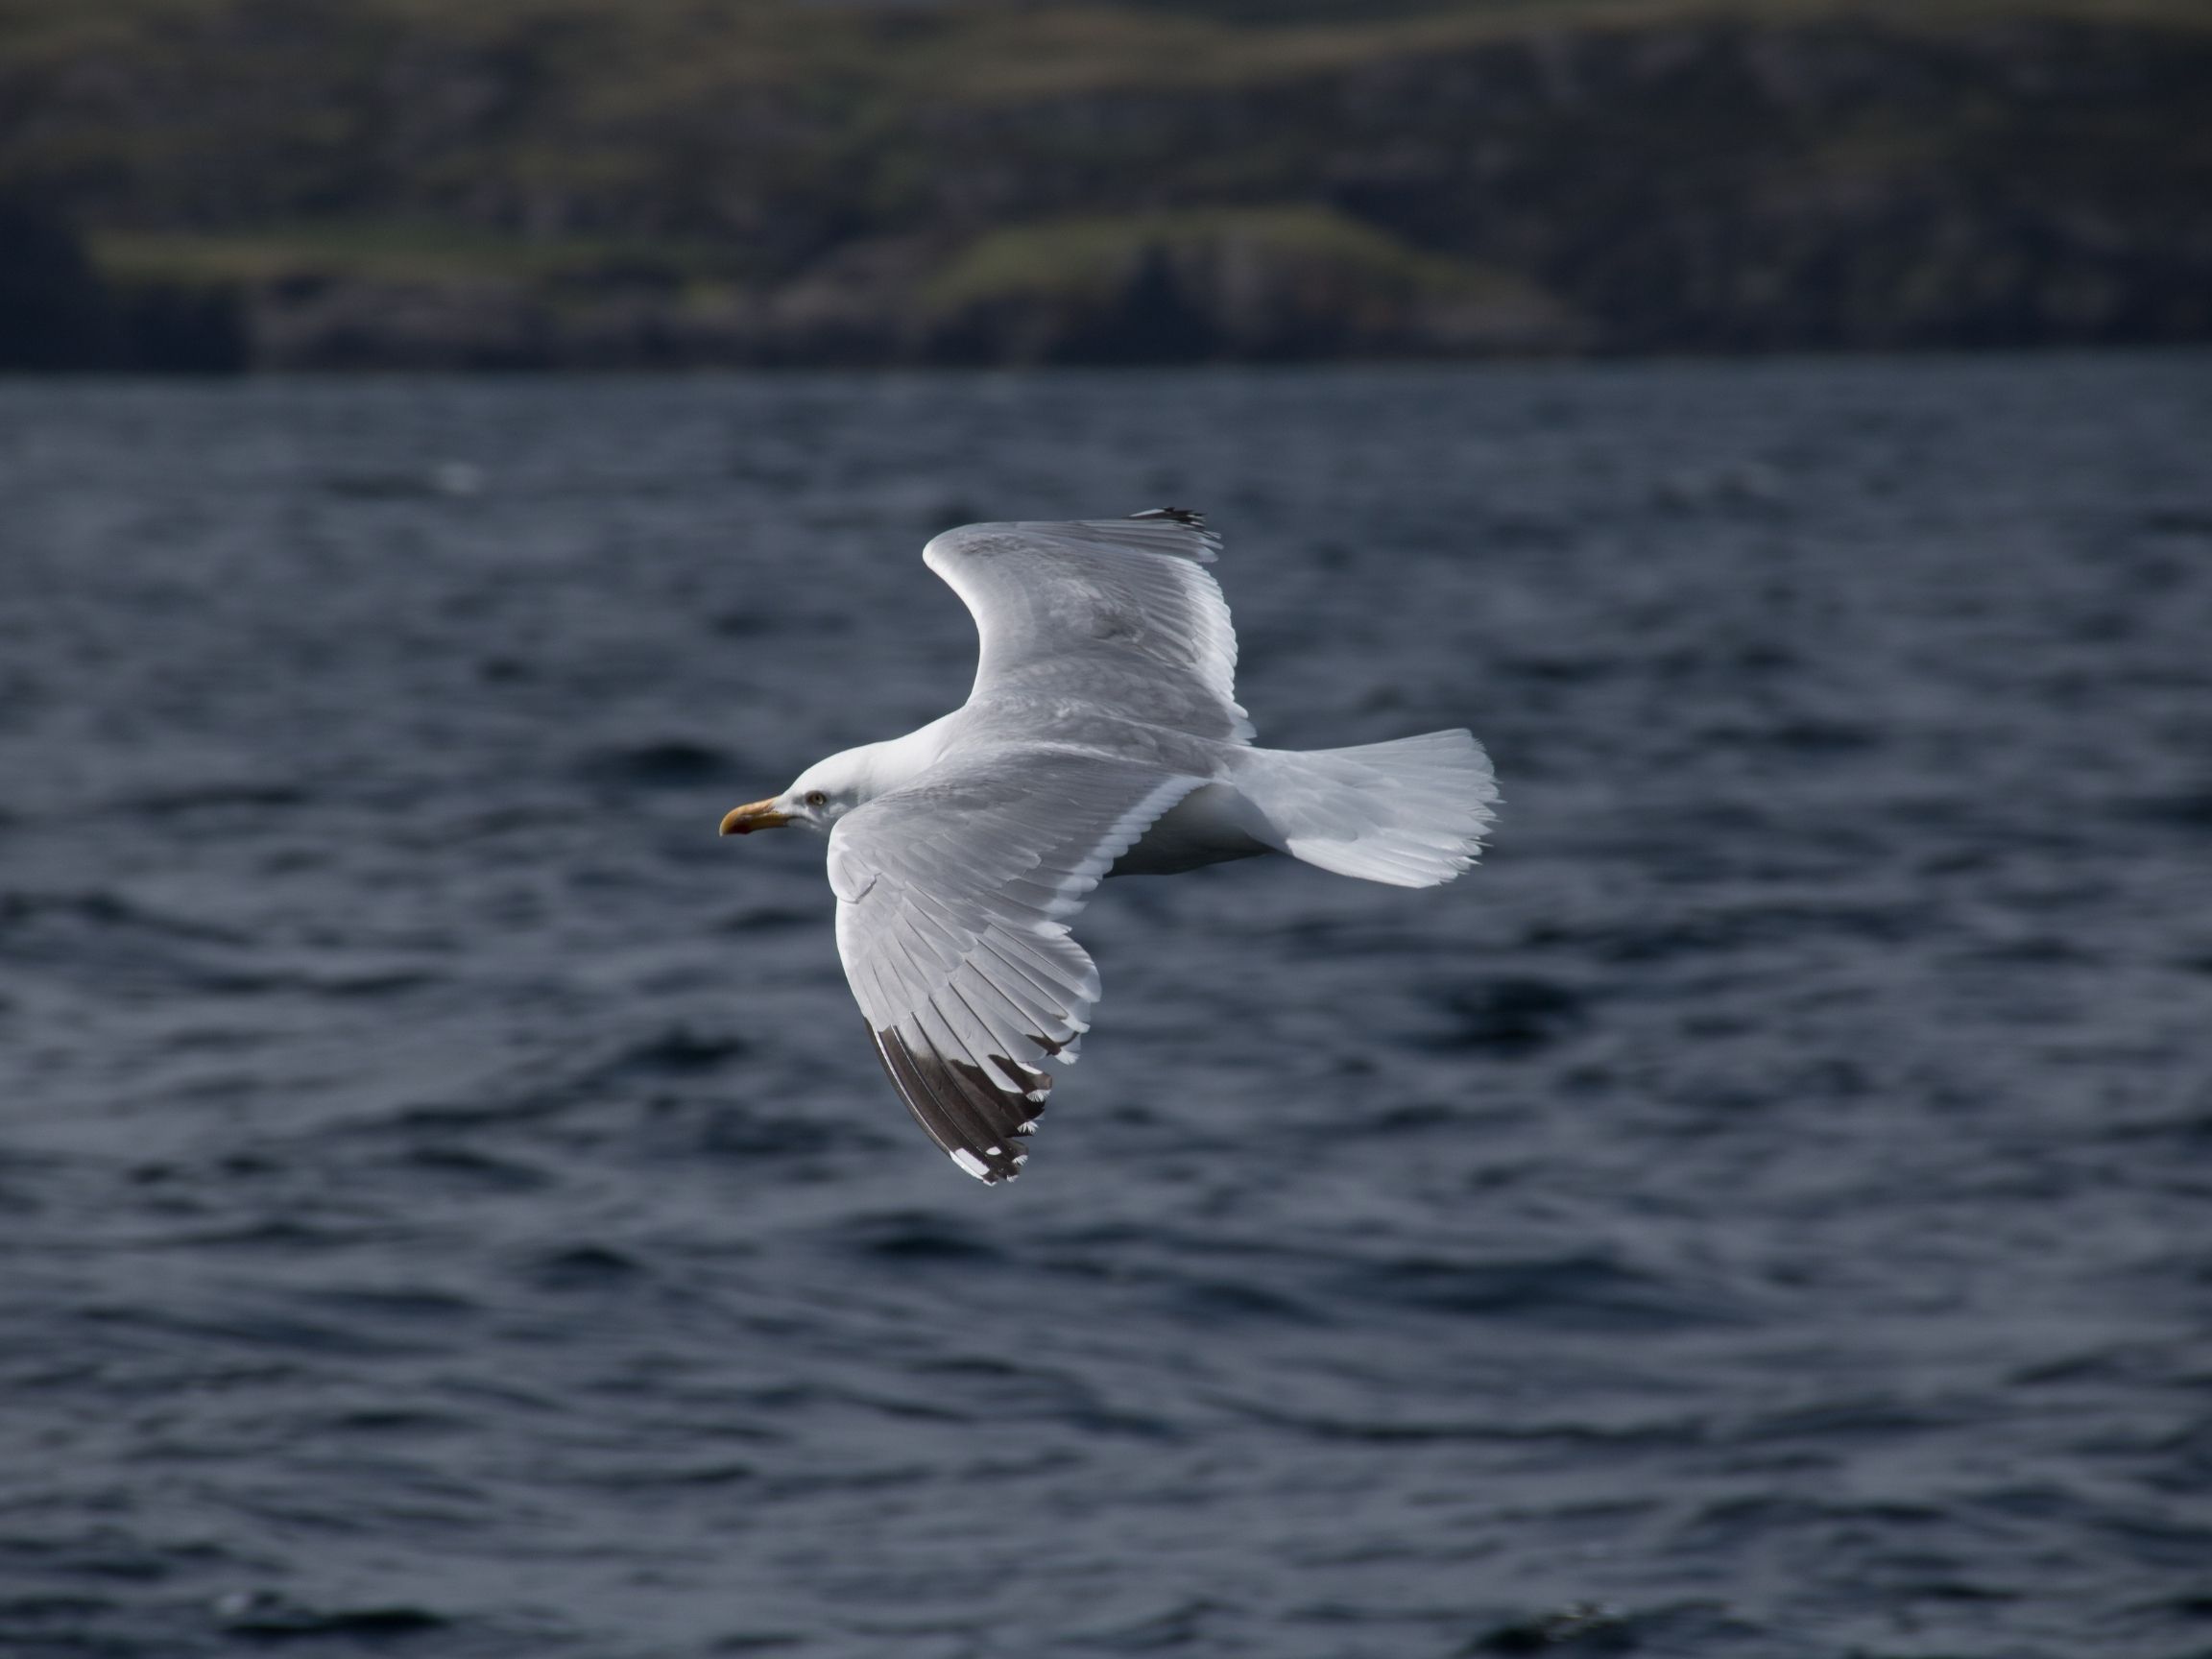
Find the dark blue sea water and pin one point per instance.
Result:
(448, 1206)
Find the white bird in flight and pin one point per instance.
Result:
(1102, 737)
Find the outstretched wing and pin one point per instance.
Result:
(1116, 613)
(952, 893)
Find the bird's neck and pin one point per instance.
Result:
(898, 761)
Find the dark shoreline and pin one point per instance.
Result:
(1685, 184)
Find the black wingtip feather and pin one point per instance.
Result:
(961, 1108)
(1190, 516)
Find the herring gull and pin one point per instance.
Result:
(1103, 737)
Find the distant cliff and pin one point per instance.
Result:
(573, 182)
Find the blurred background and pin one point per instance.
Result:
(448, 1206)
(580, 183)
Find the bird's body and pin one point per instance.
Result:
(1103, 737)
(1212, 825)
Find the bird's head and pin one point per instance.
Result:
(820, 795)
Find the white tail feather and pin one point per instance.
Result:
(1411, 812)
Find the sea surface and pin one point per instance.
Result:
(450, 1209)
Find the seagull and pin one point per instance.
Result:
(1103, 737)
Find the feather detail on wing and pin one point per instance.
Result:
(952, 893)
(1117, 613)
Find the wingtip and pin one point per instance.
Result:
(1209, 539)
(990, 1175)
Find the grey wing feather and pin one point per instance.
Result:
(1115, 614)
(952, 893)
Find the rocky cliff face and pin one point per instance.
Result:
(54, 311)
(359, 189)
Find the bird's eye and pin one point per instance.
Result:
(816, 797)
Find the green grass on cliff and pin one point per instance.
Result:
(623, 57)
(398, 253)
(1086, 257)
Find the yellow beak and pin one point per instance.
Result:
(757, 815)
